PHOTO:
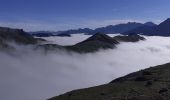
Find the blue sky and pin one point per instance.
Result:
(35, 15)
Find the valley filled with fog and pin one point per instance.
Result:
(70, 40)
(27, 74)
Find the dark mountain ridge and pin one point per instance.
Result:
(129, 38)
(148, 28)
(76, 31)
(59, 33)
(16, 35)
(8, 35)
(111, 29)
(163, 29)
(144, 30)
(148, 84)
(150, 24)
(120, 28)
(94, 43)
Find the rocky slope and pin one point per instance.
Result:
(149, 84)
(94, 43)
(9, 35)
(16, 35)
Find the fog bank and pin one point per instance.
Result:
(32, 75)
(75, 38)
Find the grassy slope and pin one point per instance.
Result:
(149, 84)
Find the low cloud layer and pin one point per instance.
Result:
(32, 75)
(75, 38)
(67, 40)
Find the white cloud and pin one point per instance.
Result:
(32, 75)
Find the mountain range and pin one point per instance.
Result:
(148, 28)
(92, 44)
(163, 29)
(149, 84)
(111, 29)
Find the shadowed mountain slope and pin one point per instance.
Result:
(129, 38)
(149, 84)
(94, 43)
(163, 29)
(16, 35)
(120, 28)
(9, 35)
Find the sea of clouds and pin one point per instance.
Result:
(27, 74)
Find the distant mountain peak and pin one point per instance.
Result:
(150, 24)
(167, 21)
(101, 37)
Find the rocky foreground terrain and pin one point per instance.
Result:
(149, 84)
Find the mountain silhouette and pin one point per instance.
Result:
(120, 28)
(148, 28)
(16, 35)
(75, 31)
(111, 29)
(163, 29)
(150, 24)
(129, 38)
(94, 43)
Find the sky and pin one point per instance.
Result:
(54, 15)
